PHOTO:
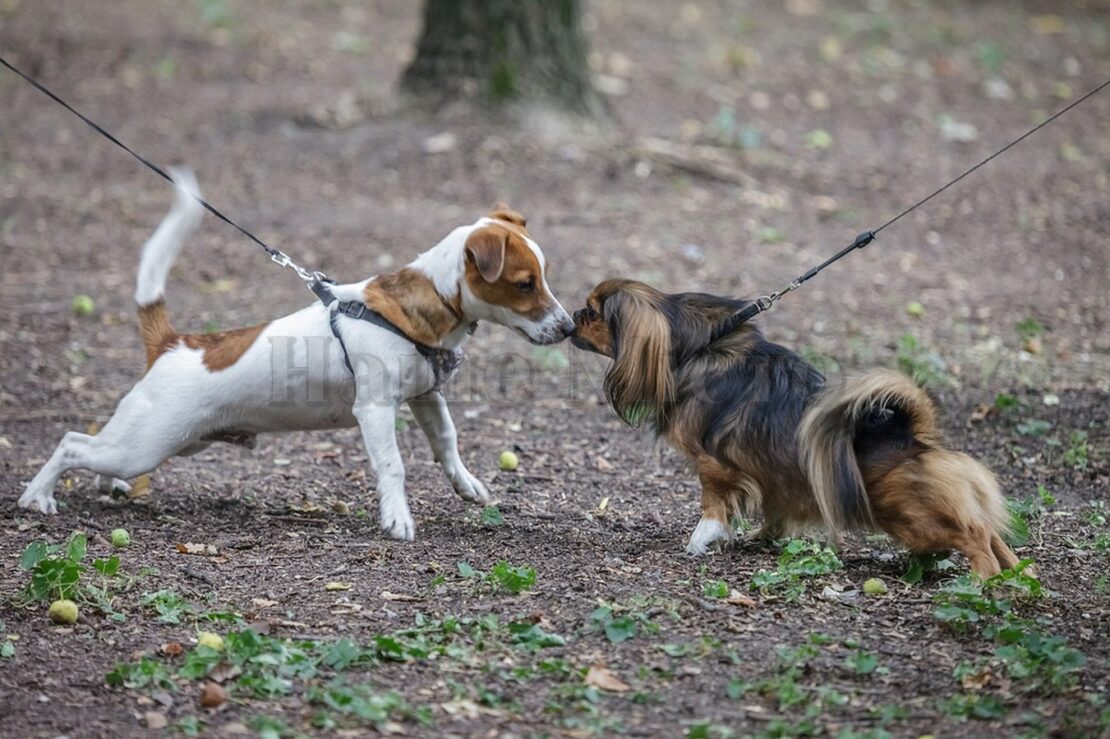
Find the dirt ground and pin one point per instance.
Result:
(748, 140)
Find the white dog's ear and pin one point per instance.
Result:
(486, 248)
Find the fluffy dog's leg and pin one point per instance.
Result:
(717, 499)
(377, 421)
(434, 418)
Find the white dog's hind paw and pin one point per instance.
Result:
(397, 521)
(707, 532)
(109, 484)
(471, 488)
(43, 500)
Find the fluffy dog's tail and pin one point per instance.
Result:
(882, 411)
(159, 253)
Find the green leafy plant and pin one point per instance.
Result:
(924, 562)
(59, 572)
(715, 589)
(492, 517)
(799, 561)
(924, 364)
(1026, 517)
(1077, 451)
(168, 605)
(1034, 427)
(1035, 660)
(511, 578)
(1028, 328)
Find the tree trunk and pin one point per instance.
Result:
(504, 49)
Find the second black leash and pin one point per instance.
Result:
(761, 304)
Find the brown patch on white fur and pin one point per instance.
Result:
(224, 348)
(503, 212)
(221, 350)
(501, 269)
(154, 326)
(409, 300)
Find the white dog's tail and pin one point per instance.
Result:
(159, 253)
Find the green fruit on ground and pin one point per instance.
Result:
(63, 612)
(508, 461)
(120, 538)
(83, 305)
(210, 640)
(875, 586)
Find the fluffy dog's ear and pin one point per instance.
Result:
(639, 382)
(487, 248)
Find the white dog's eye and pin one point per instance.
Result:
(527, 286)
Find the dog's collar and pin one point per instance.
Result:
(444, 362)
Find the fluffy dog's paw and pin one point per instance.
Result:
(43, 500)
(471, 488)
(397, 521)
(706, 533)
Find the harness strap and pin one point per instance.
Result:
(444, 362)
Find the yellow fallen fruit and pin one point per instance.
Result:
(210, 640)
(63, 612)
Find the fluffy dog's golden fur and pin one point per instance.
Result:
(767, 433)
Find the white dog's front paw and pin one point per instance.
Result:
(706, 533)
(397, 521)
(470, 488)
(40, 498)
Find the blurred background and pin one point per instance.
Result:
(719, 146)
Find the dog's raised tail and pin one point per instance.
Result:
(159, 253)
(884, 409)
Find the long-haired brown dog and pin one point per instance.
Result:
(766, 432)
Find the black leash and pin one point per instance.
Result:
(444, 362)
(276, 255)
(761, 304)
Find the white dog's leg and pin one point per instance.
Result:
(133, 442)
(435, 419)
(707, 532)
(379, 434)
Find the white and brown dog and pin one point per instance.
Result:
(291, 374)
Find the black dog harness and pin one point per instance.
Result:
(444, 362)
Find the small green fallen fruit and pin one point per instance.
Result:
(83, 305)
(63, 612)
(875, 586)
(508, 461)
(120, 538)
(210, 640)
(915, 309)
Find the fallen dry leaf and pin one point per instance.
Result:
(336, 585)
(172, 649)
(206, 550)
(212, 695)
(602, 677)
(263, 602)
(140, 488)
(977, 680)
(155, 720)
(736, 598)
(603, 464)
(398, 596)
